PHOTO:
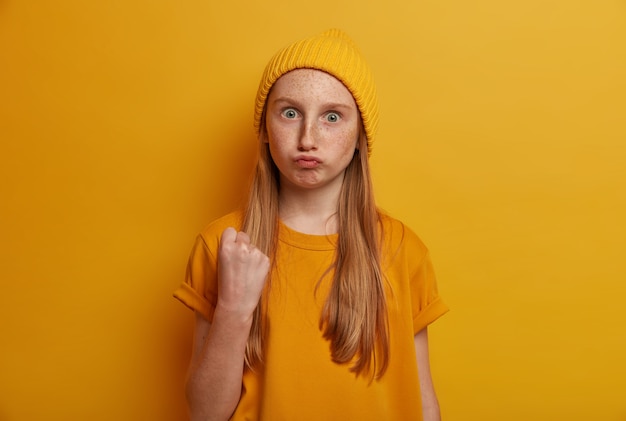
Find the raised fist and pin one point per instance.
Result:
(242, 270)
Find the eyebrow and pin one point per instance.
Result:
(331, 105)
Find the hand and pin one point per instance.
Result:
(242, 271)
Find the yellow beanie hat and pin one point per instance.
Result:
(336, 54)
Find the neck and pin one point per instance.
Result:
(309, 211)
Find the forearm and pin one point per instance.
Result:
(214, 380)
(430, 403)
(430, 409)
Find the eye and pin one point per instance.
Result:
(332, 117)
(290, 113)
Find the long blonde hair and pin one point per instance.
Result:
(354, 316)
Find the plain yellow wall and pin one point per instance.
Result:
(125, 127)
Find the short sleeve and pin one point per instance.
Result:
(199, 290)
(411, 269)
(427, 304)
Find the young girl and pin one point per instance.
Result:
(310, 303)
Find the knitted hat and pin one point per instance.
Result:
(332, 52)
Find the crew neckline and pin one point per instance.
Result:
(306, 241)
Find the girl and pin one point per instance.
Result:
(310, 303)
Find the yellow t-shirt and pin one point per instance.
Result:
(299, 381)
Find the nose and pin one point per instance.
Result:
(308, 137)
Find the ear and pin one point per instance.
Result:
(361, 141)
(263, 138)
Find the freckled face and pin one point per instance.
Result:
(312, 124)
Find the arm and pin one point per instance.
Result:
(430, 405)
(214, 378)
(215, 372)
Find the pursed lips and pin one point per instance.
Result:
(305, 161)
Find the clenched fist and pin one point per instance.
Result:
(242, 270)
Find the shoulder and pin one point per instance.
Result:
(398, 236)
(213, 231)
(233, 219)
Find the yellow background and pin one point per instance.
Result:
(125, 127)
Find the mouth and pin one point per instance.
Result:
(307, 162)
